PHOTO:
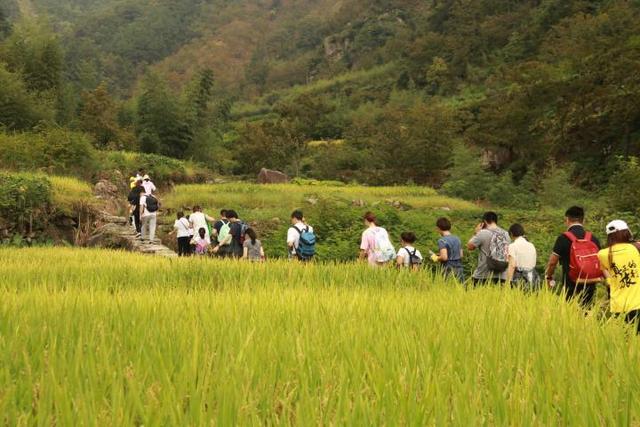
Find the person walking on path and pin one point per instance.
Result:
(183, 234)
(492, 243)
(408, 255)
(148, 185)
(522, 261)
(375, 246)
(134, 201)
(576, 285)
(198, 220)
(237, 231)
(450, 251)
(621, 266)
(253, 250)
(217, 226)
(301, 238)
(149, 207)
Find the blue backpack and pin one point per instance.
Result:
(306, 245)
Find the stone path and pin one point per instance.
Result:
(116, 233)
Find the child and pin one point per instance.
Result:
(449, 251)
(201, 242)
(253, 250)
(408, 255)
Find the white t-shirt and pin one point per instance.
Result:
(145, 212)
(182, 227)
(293, 237)
(524, 253)
(199, 220)
(149, 187)
(406, 259)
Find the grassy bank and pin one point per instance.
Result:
(114, 338)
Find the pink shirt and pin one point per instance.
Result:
(369, 243)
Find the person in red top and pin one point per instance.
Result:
(574, 220)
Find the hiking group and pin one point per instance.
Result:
(504, 257)
(508, 258)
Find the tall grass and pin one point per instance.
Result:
(107, 338)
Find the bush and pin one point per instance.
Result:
(23, 196)
(162, 169)
(55, 151)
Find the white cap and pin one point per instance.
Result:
(146, 177)
(617, 225)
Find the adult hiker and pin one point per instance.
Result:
(134, 201)
(253, 250)
(576, 251)
(148, 185)
(231, 237)
(408, 256)
(492, 244)
(450, 252)
(375, 246)
(217, 226)
(523, 257)
(301, 239)
(237, 230)
(198, 220)
(149, 206)
(621, 266)
(183, 234)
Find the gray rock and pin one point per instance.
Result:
(267, 176)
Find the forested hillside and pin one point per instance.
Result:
(476, 96)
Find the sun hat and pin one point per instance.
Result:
(146, 177)
(617, 225)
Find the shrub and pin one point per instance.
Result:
(56, 151)
(162, 169)
(23, 196)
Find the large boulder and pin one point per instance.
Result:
(267, 176)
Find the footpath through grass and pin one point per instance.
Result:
(107, 338)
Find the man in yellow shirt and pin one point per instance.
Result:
(621, 265)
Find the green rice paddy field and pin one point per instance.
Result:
(107, 338)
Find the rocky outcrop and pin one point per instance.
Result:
(116, 233)
(335, 47)
(267, 176)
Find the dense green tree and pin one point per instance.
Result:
(160, 126)
(98, 117)
(20, 109)
(33, 50)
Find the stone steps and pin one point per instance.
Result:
(116, 233)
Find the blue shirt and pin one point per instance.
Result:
(453, 245)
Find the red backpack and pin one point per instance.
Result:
(584, 265)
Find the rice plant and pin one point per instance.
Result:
(109, 338)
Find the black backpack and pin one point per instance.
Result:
(152, 204)
(415, 261)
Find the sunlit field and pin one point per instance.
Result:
(108, 338)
